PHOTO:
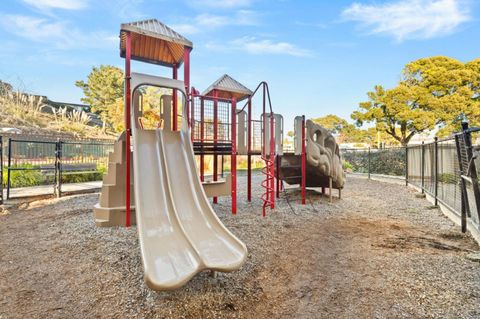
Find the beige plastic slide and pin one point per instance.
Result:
(180, 234)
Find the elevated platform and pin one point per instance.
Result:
(211, 148)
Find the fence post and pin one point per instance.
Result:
(9, 163)
(369, 162)
(423, 167)
(435, 177)
(471, 169)
(1, 170)
(463, 186)
(406, 165)
(58, 168)
(55, 171)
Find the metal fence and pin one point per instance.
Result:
(386, 161)
(39, 167)
(431, 167)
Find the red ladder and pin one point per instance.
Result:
(269, 170)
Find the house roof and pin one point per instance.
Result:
(154, 42)
(227, 87)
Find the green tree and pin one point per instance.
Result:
(331, 122)
(400, 112)
(434, 92)
(103, 91)
(453, 87)
(349, 133)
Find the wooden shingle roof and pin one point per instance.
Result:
(227, 87)
(154, 42)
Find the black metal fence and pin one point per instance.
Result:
(48, 165)
(386, 161)
(433, 168)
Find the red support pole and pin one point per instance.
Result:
(175, 100)
(264, 150)
(186, 80)
(128, 54)
(215, 136)
(202, 137)
(191, 114)
(272, 159)
(249, 151)
(304, 163)
(186, 68)
(234, 157)
(277, 173)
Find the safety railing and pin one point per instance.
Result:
(213, 128)
(33, 165)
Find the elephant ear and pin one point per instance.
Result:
(323, 152)
(313, 153)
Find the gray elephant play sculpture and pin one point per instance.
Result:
(324, 154)
(323, 160)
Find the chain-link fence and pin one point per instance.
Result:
(32, 167)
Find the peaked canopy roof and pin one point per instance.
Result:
(228, 88)
(154, 42)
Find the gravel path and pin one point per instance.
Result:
(380, 252)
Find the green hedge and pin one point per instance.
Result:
(386, 161)
(26, 178)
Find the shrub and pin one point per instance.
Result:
(82, 177)
(347, 166)
(24, 178)
(31, 177)
(447, 178)
(386, 161)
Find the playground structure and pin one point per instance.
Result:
(180, 234)
(315, 161)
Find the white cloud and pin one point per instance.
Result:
(185, 28)
(211, 21)
(253, 45)
(241, 17)
(224, 4)
(57, 4)
(207, 22)
(410, 19)
(57, 34)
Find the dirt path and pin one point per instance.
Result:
(377, 253)
(356, 267)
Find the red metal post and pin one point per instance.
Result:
(202, 137)
(272, 159)
(234, 157)
(277, 174)
(191, 114)
(264, 151)
(249, 151)
(186, 80)
(128, 54)
(304, 163)
(175, 100)
(215, 137)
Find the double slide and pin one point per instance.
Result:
(180, 234)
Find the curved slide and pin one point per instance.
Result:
(180, 234)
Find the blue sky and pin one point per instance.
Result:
(319, 57)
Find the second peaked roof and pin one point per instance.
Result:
(228, 88)
(154, 42)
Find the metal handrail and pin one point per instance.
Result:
(265, 84)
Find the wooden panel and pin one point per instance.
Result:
(152, 49)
